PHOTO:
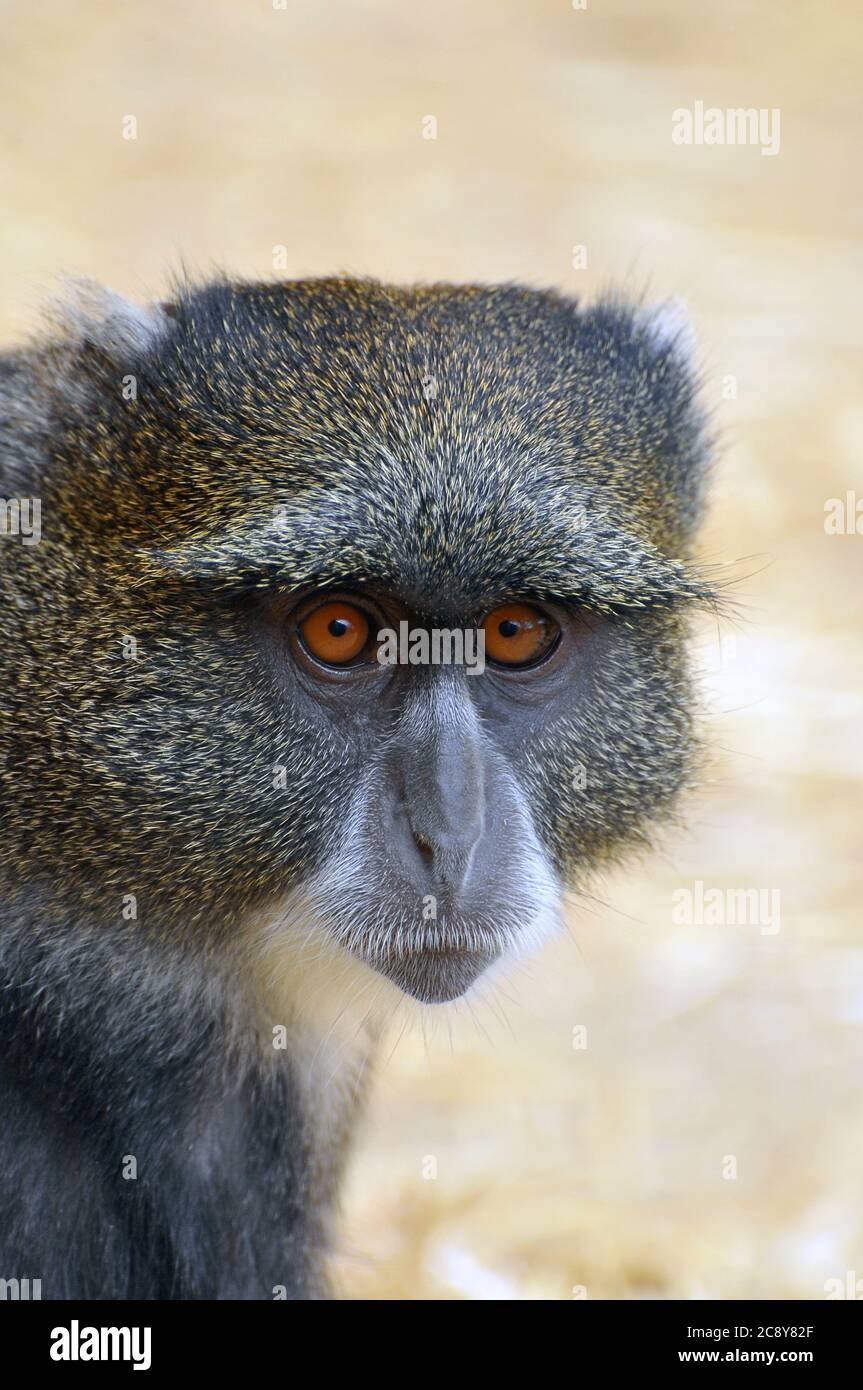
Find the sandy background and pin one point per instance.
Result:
(602, 1168)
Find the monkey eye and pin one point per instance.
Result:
(517, 634)
(335, 632)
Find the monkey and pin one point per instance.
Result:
(234, 841)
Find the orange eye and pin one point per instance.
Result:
(517, 634)
(336, 632)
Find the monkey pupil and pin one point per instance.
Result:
(338, 627)
(508, 628)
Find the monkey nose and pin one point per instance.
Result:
(445, 859)
(442, 806)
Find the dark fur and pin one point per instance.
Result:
(108, 1049)
(147, 777)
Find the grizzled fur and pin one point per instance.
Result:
(457, 445)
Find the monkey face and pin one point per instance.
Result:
(469, 794)
(303, 469)
(439, 870)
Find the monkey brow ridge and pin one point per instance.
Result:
(609, 569)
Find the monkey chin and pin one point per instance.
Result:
(435, 976)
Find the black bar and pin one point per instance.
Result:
(222, 1338)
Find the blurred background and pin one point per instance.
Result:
(649, 1109)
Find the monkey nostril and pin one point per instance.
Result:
(424, 845)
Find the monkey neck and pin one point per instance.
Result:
(326, 1010)
(137, 1048)
(159, 1072)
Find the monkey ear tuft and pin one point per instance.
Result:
(90, 314)
(669, 327)
(88, 335)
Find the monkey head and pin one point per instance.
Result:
(242, 493)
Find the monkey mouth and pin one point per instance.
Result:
(435, 975)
